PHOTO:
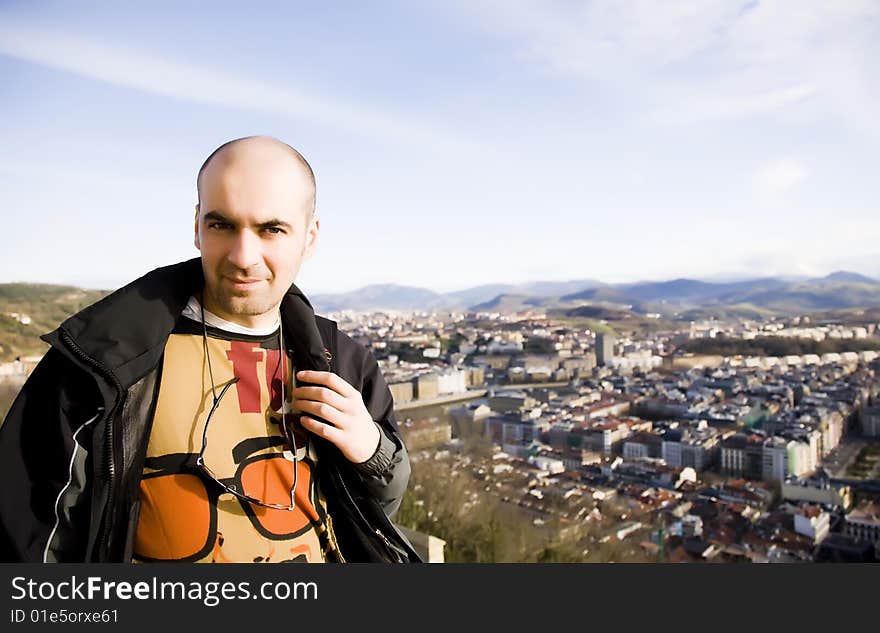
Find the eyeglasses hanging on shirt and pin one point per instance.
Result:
(267, 474)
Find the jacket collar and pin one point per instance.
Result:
(125, 332)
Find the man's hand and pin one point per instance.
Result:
(353, 430)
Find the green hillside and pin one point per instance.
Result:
(47, 305)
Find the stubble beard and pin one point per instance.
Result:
(244, 304)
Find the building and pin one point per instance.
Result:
(774, 459)
(863, 523)
(541, 345)
(421, 434)
(493, 361)
(515, 433)
(817, 489)
(604, 436)
(604, 348)
(643, 444)
(427, 386)
(742, 456)
(697, 448)
(691, 526)
(504, 347)
(599, 437)
(429, 547)
(552, 465)
(511, 401)
(401, 391)
(608, 408)
(870, 418)
(800, 461)
(812, 522)
(831, 427)
(452, 381)
(840, 548)
(476, 376)
(469, 419)
(580, 365)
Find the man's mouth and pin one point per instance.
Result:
(243, 282)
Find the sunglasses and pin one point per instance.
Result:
(233, 488)
(181, 501)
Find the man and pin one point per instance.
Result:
(204, 412)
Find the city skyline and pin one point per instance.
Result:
(464, 141)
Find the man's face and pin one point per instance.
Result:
(254, 229)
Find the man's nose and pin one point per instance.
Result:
(245, 251)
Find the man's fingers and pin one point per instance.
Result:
(320, 394)
(328, 432)
(328, 379)
(320, 409)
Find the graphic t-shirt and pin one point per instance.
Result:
(187, 514)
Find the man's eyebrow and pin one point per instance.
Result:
(215, 215)
(273, 223)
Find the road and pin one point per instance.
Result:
(842, 456)
(470, 394)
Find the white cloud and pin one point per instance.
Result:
(605, 40)
(708, 107)
(713, 59)
(149, 73)
(780, 175)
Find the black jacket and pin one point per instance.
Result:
(73, 444)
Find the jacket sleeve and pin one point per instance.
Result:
(386, 473)
(45, 461)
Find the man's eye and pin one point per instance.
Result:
(218, 225)
(274, 230)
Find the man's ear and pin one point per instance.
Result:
(311, 237)
(196, 240)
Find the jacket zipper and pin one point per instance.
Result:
(109, 445)
(388, 543)
(402, 554)
(392, 546)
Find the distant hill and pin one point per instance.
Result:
(844, 276)
(604, 294)
(683, 291)
(758, 297)
(397, 297)
(599, 312)
(481, 294)
(677, 297)
(380, 296)
(508, 303)
(847, 316)
(45, 305)
(677, 288)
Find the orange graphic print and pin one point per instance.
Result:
(187, 516)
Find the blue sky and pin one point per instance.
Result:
(454, 143)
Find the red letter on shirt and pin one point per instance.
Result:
(244, 364)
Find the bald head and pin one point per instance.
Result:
(254, 226)
(261, 152)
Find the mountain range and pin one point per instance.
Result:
(677, 297)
